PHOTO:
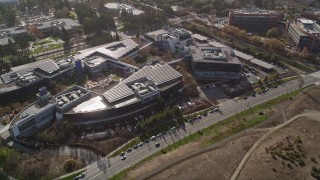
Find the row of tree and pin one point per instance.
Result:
(166, 114)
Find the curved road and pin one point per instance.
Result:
(246, 157)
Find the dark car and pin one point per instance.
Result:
(157, 145)
(129, 150)
(135, 147)
(122, 154)
(146, 141)
(205, 114)
(245, 97)
(253, 94)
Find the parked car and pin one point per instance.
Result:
(129, 150)
(153, 138)
(135, 147)
(123, 157)
(146, 141)
(122, 154)
(157, 145)
(140, 144)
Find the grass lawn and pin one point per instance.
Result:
(235, 124)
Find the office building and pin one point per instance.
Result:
(27, 78)
(214, 63)
(109, 56)
(175, 40)
(305, 33)
(136, 94)
(35, 116)
(115, 9)
(254, 20)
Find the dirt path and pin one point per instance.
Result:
(313, 114)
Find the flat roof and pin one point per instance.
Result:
(243, 55)
(48, 66)
(177, 8)
(119, 6)
(114, 50)
(34, 109)
(94, 61)
(213, 54)
(262, 63)
(154, 34)
(158, 73)
(199, 37)
(254, 11)
(216, 44)
(94, 104)
(4, 40)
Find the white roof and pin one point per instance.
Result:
(306, 21)
(199, 37)
(216, 44)
(242, 55)
(114, 50)
(262, 63)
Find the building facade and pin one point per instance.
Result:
(305, 33)
(254, 20)
(211, 63)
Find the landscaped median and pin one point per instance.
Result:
(223, 128)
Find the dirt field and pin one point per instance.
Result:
(222, 162)
(216, 164)
(268, 167)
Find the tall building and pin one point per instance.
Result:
(305, 33)
(214, 63)
(254, 20)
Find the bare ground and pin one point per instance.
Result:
(267, 167)
(217, 164)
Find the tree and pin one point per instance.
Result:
(275, 44)
(273, 32)
(256, 40)
(69, 165)
(242, 34)
(305, 53)
(65, 35)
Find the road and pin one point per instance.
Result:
(108, 167)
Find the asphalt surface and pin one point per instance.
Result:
(108, 167)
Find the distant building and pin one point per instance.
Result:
(9, 2)
(176, 40)
(135, 95)
(214, 63)
(49, 27)
(179, 11)
(254, 20)
(109, 56)
(305, 33)
(115, 9)
(312, 14)
(27, 78)
(46, 27)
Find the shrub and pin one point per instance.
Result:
(69, 165)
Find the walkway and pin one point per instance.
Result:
(315, 115)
